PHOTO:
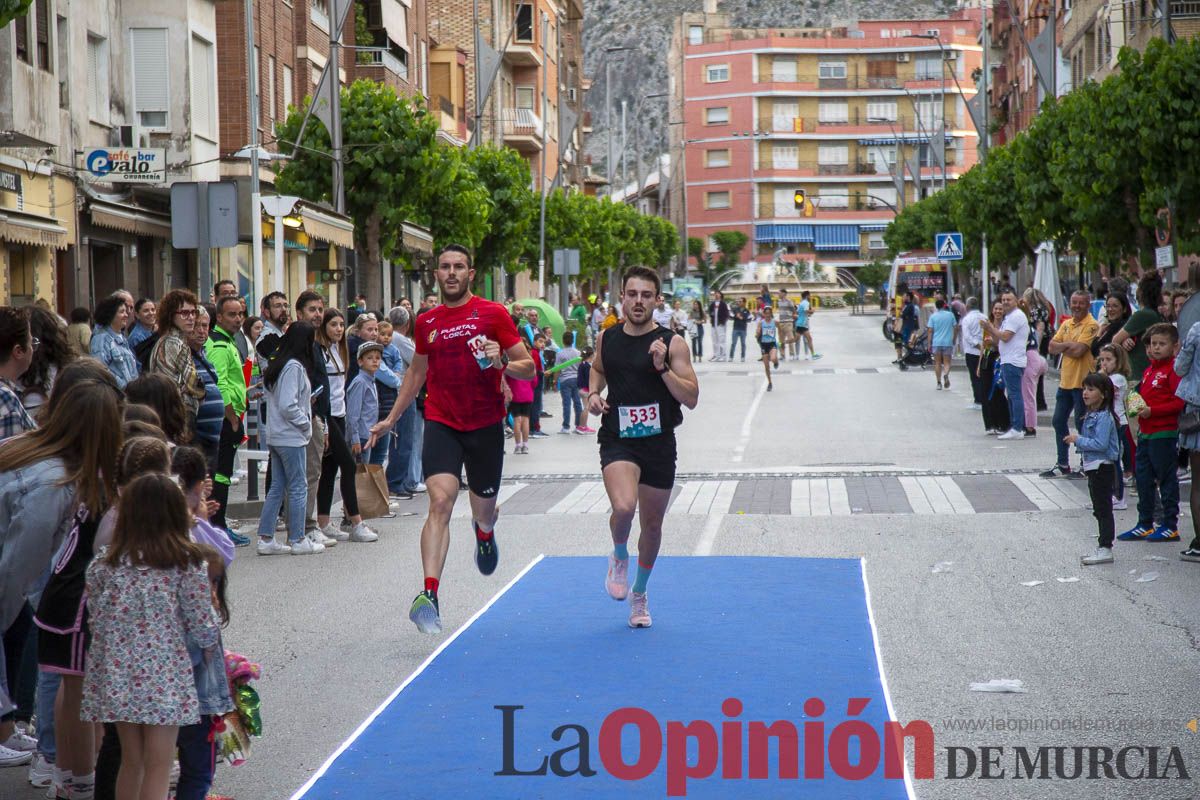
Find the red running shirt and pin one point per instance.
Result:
(460, 393)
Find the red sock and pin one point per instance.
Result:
(431, 585)
(482, 535)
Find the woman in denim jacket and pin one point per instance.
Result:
(1189, 391)
(109, 344)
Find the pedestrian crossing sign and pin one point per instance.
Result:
(949, 246)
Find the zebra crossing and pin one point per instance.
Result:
(836, 496)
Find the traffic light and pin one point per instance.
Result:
(799, 199)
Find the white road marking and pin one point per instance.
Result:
(954, 495)
(683, 501)
(704, 497)
(801, 498)
(739, 452)
(916, 498)
(379, 710)
(887, 695)
(709, 535)
(839, 498)
(573, 497)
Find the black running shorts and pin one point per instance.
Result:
(654, 456)
(481, 451)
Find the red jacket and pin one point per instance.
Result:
(1157, 388)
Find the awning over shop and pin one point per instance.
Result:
(416, 238)
(873, 227)
(130, 219)
(32, 229)
(326, 226)
(836, 237)
(784, 234)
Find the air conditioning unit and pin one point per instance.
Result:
(903, 58)
(950, 55)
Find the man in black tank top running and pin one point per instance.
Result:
(648, 372)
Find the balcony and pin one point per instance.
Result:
(382, 59)
(523, 54)
(522, 129)
(857, 124)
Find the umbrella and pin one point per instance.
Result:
(1045, 280)
(547, 315)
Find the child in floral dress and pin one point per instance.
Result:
(147, 593)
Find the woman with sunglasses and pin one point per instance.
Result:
(172, 356)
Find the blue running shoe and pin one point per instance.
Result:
(1163, 534)
(1137, 533)
(487, 554)
(425, 613)
(237, 539)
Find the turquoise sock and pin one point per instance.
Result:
(643, 575)
(621, 551)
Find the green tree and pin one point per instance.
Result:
(730, 245)
(396, 171)
(874, 274)
(11, 9)
(504, 176)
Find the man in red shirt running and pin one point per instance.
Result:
(463, 346)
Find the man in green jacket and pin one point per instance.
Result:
(231, 381)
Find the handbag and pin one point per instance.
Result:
(1189, 422)
(370, 483)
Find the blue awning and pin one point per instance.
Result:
(836, 237)
(916, 138)
(873, 227)
(784, 234)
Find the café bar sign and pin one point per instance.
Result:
(126, 165)
(10, 182)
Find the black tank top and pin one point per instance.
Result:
(633, 380)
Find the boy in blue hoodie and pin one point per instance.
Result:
(362, 398)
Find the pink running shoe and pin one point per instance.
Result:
(639, 610)
(584, 430)
(617, 579)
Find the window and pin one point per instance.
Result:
(833, 197)
(884, 109)
(21, 32)
(710, 244)
(271, 112)
(716, 158)
(98, 84)
(62, 36)
(716, 199)
(783, 116)
(875, 242)
(22, 262)
(42, 32)
(695, 34)
(151, 87)
(204, 112)
(785, 203)
(832, 154)
(523, 22)
(718, 115)
(929, 67)
(784, 70)
(319, 14)
(932, 32)
(833, 113)
(831, 69)
(929, 112)
(785, 157)
(880, 196)
(524, 97)
(716, 73)
(884, 158)
(287, 88)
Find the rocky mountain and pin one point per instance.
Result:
(645, 25)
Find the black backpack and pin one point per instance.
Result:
(144, 350)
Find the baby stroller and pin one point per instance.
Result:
(915, 354)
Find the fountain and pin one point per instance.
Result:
(797, 275)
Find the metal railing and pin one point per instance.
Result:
(381, 57)
(520, 122)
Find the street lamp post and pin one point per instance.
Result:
(900, 190)
(608, 125)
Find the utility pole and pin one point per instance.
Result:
(624, 150)
(335, 137)
(256, 247)
(542, 160)
(984, 138)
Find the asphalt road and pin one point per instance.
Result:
(1105, 652)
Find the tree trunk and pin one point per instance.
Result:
(370, 277)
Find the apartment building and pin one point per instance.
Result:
(1094, 31)
(863, 118)
(86, 85)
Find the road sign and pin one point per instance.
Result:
(147, 166)
(566, 262)
(948, 246)
(1164, 257)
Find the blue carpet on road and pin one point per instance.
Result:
(771, 632)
